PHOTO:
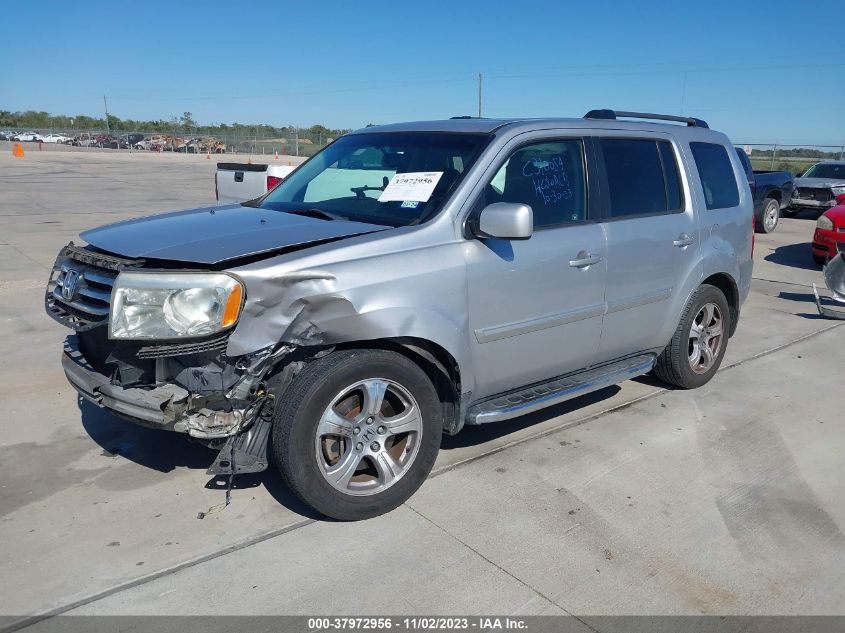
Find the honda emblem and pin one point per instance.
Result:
(69, 283)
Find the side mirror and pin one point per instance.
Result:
(505, 220)
(841, 198)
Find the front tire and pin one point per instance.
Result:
(698, 346)
(769, 217)
(357, 432)
(820, 260)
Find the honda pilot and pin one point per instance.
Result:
(410, 280)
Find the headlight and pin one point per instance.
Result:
(824, 222)
(838, 191)
(173, 305)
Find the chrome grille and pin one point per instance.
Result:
(80, 286)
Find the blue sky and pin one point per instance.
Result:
(759, 71)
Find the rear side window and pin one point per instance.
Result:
(717, 175)
(642, 177)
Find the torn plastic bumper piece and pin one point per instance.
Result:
(834, 277)
(160, 407)
(167, 406)
(245, 452)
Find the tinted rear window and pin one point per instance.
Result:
(717, 175)
(635, 178)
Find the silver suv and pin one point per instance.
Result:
(409, 280)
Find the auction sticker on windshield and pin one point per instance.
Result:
(414, 186)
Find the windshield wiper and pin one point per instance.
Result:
(316, 213)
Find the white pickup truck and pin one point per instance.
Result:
(237, 182)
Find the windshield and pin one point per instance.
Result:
(396, 179)
(826, 170)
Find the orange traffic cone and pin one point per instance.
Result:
(17, 150)
(208, 155)
(276, 155)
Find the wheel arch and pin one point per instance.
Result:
(728, 286)
(438, 364)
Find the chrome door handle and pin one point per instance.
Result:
(683, 241)
(584, 259)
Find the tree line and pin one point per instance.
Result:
(185, 123)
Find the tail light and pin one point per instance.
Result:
(272, 181)
(753, 234)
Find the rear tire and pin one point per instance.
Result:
(357, 432)
(698, 346)
(769, 216)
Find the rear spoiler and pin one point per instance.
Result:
(243, 166)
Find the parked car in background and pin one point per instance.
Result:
(237, 182)
(57, 138)
(124, 141)
(817, 188)
(7, 135)
(150, 142)
(84, 140)
(830, 232)
(105, 140)
(771, 191)
(28, 136)
(410, 279)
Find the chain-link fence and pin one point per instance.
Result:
(795, 158)
(293, 142)
(792, 158)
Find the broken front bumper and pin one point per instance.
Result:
(167, 406)
(809, 203)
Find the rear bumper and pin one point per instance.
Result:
(167, 406)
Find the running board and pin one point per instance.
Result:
(536, 397)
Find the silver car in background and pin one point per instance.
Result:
(409, 280)
(816, 189)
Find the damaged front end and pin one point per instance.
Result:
(834, 278)
(203, 394)
(187, 386)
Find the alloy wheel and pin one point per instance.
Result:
(705, 338)
(368, 437)
(770, 216)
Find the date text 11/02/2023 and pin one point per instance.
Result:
(422, 623)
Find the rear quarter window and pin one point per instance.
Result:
(717, 175)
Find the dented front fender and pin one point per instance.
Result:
(357, 298)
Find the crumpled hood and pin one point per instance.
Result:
(212, 235)
(821, 183)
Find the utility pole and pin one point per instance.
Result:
(480, 85)
(683, 93)
(105, 103)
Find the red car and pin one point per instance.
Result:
(830, 232)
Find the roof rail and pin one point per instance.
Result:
(463, 116)
(613, 114)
